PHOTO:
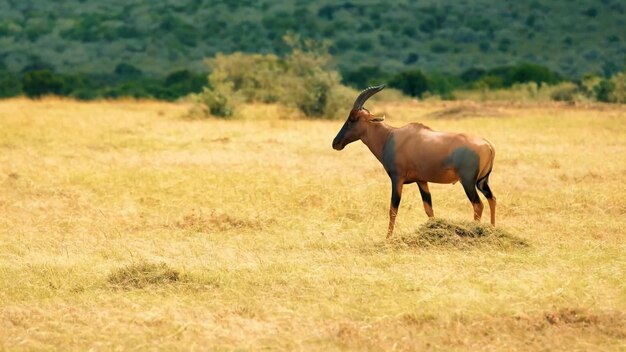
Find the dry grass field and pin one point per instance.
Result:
(127, 226)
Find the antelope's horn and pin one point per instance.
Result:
(366, 94)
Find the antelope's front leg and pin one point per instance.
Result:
(396, 195)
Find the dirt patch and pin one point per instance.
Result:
(609, 323)
(214, 221)
(418, 319)
(462, 235)
(467, 110)
(220, 140)
(141, 275)
(570, 316)
(533, 331)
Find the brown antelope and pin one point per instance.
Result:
(416, 153)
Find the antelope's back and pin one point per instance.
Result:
(424, 154)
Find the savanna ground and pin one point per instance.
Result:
(125, 225)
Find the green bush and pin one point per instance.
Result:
(603, 90)
(183, 82)
(10, 84)
(304, 79)
(488, 82)
(125, 81)
(473, 74)
(79, 86)
(507, 76)
(413, 83)
(612, 90)
(619, 87)
(42, 82)
(216, 102)
(364, 76)
(311, 82)
(566, 91)
(443, 84)
(525, 73)
(252, 77)
(140, 88)
(588, 85)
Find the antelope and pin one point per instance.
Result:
(417, 154)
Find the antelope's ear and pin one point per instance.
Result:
(378, 118)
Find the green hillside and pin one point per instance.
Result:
(573, 37)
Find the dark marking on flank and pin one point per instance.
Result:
(466, 162)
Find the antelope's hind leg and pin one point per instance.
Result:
(426, 198)
(483, 187)
(472, 195)
(466, 162)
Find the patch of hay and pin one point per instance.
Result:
(461, 235)
(465, 111)
(141, 275)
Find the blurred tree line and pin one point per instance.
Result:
(305, 78)
(572, 37)
(90, 49)
(125, 81)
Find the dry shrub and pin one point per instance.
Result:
(462, 235)
(305, 79)
(567, 91)
(140, 275)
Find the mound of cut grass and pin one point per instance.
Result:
(461, 235)
(141, 275)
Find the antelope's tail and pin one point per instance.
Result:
(487, 170)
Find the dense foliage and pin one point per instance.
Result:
(572, 37)
(127, 81)
(156, 49)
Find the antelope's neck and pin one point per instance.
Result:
(375, 138)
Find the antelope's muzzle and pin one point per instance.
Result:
(337, 145)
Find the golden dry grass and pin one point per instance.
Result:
(256, 235)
